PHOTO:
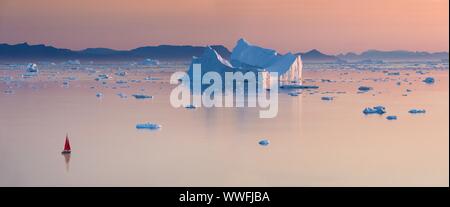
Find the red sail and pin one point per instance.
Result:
(67, 144)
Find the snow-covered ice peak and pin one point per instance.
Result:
(248, 54)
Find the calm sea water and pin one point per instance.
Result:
(312, 142)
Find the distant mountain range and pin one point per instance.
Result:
(396, 55)
(175, 52)
(161, 52)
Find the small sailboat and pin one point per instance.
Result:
(67, 149)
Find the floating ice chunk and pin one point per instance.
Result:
(327, 80)
(102, 77)
(149, 62)
(71, 78)
(72, 62)
(393, 73)
(327, 98)
(121, 73)
(364, 88)
(6, 78)
(99, 95)
(122, 95)
(295, 86)
(391, 117)
(375, 110)
(151, 126)
(263, 142)
(421, 72)
(417, 111)
(121, 82)
(141, 96)
(429, 80)
(151, 78)
(32, 68)
(190, 106)
(29, 75)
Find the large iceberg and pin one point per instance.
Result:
(289, 66)
(246, 57)
(210, 61)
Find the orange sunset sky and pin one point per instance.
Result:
(331, 26)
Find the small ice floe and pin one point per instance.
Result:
(121, 73)
(135, 81)
(122, 95)
(6, 78)
(151, 78)
(263, 142)
(327, 81)
(421, 72)
(295, 86)
(32, 68)
(364, 88)
(29, 75)
(429, 80)
(70, 78)
(141, 96)
(149, 62)
(190, 106)
(102, 77)
(72, 62)
(327, 98)
(375, 110)
(417, 111)
(393, 73)
(392, 117)
(121, 82)
(151, 126)
(99, 95)
(293, 93)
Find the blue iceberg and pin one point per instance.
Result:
(375, 110)
(263, 142)
(364, 88)
(429, 80)
(391, 117)
(151, 126)
(141, 96)
(327, 98)
(417, 111)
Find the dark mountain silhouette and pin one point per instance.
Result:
(316, 56)
(43, 52)
(185, 52)
(396, 55)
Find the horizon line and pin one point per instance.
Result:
(181, 45)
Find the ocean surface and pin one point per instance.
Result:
(313, 142)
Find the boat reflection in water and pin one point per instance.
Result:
(67, 160)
